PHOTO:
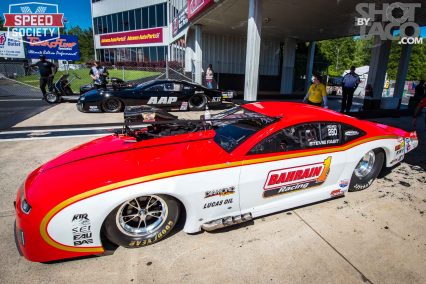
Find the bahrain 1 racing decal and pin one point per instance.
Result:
(296, 178)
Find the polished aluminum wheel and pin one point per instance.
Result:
(51, 97)
(142, 216)
(366, 165)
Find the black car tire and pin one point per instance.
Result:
(123, 230)
(197, 102)
(360, 182)
(52, 98)
(112, 105)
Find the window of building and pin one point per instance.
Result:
(138, 16)
(109, 24)
(104, 25)
(114, 23)
(146, 54)
(161, 50)
(126, 23)
(160, 15)
(132, 20)
(152, 14)
(145, 18)
(153, 53)
(120, 22)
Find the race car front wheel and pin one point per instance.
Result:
(197, 102)
(142, 221)
(52, 97)
(112, 105)
(367, 170)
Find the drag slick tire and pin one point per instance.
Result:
(367, 170)
(52, 98)
(112, 105)
(141, 221)
(197, 102)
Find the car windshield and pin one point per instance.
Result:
(236, 125)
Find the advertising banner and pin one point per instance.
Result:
(63, 48)
(11, 47)
(180, 22)
(195, 7)
(31, 19)
(133, 37)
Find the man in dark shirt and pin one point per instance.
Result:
(99, 75)
(350, 83)
(47, 71)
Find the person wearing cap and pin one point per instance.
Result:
(350, 83)
(47, 71)
(317, 94)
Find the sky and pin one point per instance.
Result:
(77, 12)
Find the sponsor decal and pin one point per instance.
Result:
(324, 142)
(81, 230)
(351, 133)
(195, 7)
(11, 47)
(400, 152)
(296, 178)
(397, 159)
(64, 47)
(344, 183)
(337, 192)
(218, 203)
(93, 108)
(184, 106)
(33, 19)
(407, 145)
(154, 239)
(401, 144)
(161, 100)
(216, 99)
(133, 37)
(220, 192)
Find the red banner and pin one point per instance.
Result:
(34, 20)
(195, 7)
(133, 37)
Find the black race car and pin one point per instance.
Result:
(160, 93)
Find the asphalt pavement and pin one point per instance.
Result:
(18, 102)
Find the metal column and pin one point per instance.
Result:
(378, 66)
(289, 56)
(254, 28)
(310, 65)
(402, 71)
(198, 56)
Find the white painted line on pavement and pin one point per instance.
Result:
(55, 137)
(59, 130)
(23, 100)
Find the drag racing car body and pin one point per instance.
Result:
(159, 93)
(131, 188)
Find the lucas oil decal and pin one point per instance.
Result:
(296, 178)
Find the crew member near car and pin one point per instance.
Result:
(418, 111)
(350, 83)
(317, 94)
(47, 71)
(209, 76)
(99, 75)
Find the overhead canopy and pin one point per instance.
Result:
(304, 20)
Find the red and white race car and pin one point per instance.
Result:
(132, 187)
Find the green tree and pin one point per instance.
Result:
(340, 53)
(417, 64)
(85, 42)
(1, 23)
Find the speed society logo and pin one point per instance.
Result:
(296, 178)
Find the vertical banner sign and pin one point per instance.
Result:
(10, 47)
(33, 19)
(195, 7)
(180, 22)
(63, 48)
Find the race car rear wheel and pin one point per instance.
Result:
(367, 170)
(112, 105)
(142, 221)
(197, 102)
(52, 97)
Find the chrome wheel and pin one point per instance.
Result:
(51, 97)
(366, 165)
(142, 216)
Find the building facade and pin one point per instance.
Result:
(130, 31)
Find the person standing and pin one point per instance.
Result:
(99, 75)
(209, 76)
(350, 83)
(47, 71)
(317, 94)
